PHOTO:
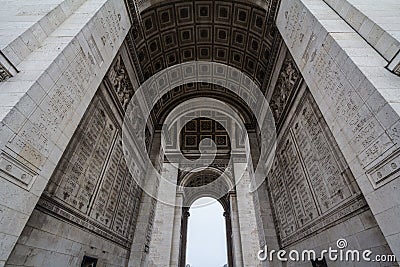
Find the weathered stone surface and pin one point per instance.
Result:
(47, 98)
(46, 240)
(350, 91)
(68, 69)
(308, 179)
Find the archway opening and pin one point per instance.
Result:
(206, 240)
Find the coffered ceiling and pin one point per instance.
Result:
(237, 33)
(234, 33)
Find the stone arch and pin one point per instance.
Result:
(186, 180)
(35, 136)
(224, 201)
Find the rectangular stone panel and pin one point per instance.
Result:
(309, 185)
(85, 165)
(16, 172)
(92, 181)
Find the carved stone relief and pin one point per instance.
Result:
(397, 70)
(120, 83)
(4, 75)
(288, 81)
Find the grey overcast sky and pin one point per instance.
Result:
(206, 241)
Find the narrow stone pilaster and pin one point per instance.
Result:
(236, 239)
(162, 236)
(176, 233)
(247, 217)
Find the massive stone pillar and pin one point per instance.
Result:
(228, 227)
(247, 216)
(57, 61)
(344, 57)
(176, 231)
(378, 27)
(183, 236)
(163, 227)
(140, 249)
(262, 206)
(141, 243)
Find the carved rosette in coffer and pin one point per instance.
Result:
(310, 185)
(92, 185)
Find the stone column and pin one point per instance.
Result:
(228, 227)
(141, 240)
(270, 237)
(236, 240)
(176, 233)
(182, 249)
(140, 249)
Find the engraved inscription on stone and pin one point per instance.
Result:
(307, 181)
(149, 229)
(118, 193)
(319, 160)
(339, 88)
(94, 179)
(87, 160)
(34, 138)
